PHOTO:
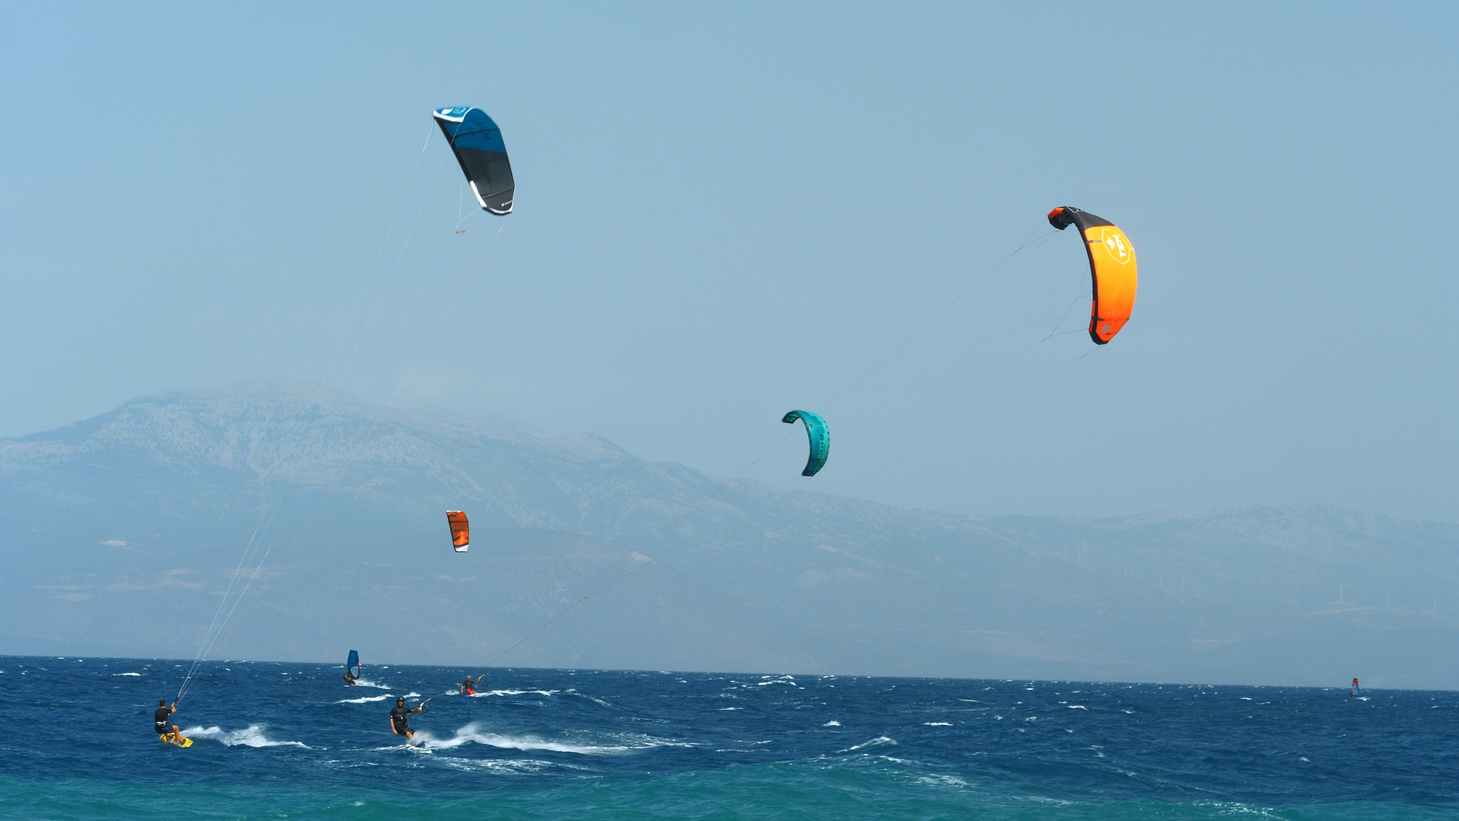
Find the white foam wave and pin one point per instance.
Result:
(522, 766)
(472, 734)
(937, 724)
(362, 699)
(1078, 707)
(252, 736)
(832, 723)
(593, 699)
(942, 781)
(879, 741)
(486, 693)
(364, 682)
(127, 675)
(766, 681)
(729, 709)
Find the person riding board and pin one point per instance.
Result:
(400, 717)
(169, 733)
(468, 687)
(349, 678)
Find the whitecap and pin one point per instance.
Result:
(937, 724)
(1078, 707)
(593, 699)
(252, 736)
(362, 699)
(879, 741)
(471, 734)
(486, 693)
(832, 723)
(127, 675)
(766, 681)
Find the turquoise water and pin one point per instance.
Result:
(279, 740)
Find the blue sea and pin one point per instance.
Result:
(290, 740)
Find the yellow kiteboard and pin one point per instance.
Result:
(167, 739)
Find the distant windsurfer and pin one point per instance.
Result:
(161, 722)
(350, 678)
(1356, 689)
(468, 687)
(400, 718)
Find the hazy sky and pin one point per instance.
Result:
(727, 212)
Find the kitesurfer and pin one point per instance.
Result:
(163, 714)
(400, 717)
(468, 687)
(169, 733)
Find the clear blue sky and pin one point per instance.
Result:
(725, 211)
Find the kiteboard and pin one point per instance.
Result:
(186, 742)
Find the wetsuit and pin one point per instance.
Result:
(400, 720)
(160, 720)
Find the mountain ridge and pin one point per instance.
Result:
(585, 555)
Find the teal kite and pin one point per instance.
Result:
(820, 436)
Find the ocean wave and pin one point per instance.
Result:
(363, 699)
(1077, 707)
(496, 766)
(127, 675)
(937, 724)
(594, 699)
(499, 693)
(364, 682)
(252, 736)
(729, 709)
(832, 723)
(472, 734)
(766, 681)
(879, 741)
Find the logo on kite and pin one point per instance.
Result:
(1115, 245)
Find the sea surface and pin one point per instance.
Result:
(289, 740)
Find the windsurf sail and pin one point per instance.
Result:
(352, 664)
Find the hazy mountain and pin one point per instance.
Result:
(119, 534)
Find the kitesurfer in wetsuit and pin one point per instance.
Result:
(400, 717)
(163, 715)
(468, 687)
(165, 731)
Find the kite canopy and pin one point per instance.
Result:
(1111, 265)
(820, 436)
(460, 530)
(479, 148)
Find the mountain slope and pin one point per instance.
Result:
(120, 532)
